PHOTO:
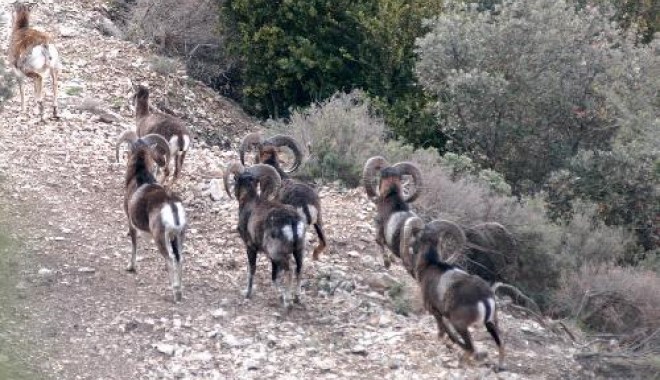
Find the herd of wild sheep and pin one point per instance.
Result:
(274, 209)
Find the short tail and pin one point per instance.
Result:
(46, 53)
(175, 248)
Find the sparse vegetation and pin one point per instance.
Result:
(401, 299)
(163, 65)
(74, 90)
(623, 301)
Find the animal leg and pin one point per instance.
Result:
(277, 282)
(494, 331)
(298, 256)
(54, 75)
(465, 344)
(319, 232)
(178, 164)
(38, 93)
(252, 267)
(177, 248)
(441, 326)
(387, 260)
(20, 89)
(166, 248)
(133, 234)
(469, 347)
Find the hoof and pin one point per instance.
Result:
(296, 299)
(130, 269)
(500, 368)
(177, 296)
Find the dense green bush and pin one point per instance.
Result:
(524, 88)
(295, 53)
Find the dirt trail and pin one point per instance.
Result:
(81, 316)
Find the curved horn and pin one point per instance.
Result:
(412, 170)
(269, 179)
(234, 168)
(445, 228)
(371, 167)
(291, 143)
(126, 136)
(411, 226)
(252, 139)
(162, 146)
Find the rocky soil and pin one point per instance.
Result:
(79, 315)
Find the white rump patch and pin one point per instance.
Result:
(174, 145)
(288, 232)
(301, 229)
(167, 215)
(182, 213)
(481, 309)
(491, 302)
(40, 60)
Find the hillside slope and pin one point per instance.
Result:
(79, 315)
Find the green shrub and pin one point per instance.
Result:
(524, 87)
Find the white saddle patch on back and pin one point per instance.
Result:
(447, 279)
(393, 224)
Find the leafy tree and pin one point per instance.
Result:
(297, 52)
(389, 56)
(524, 88)
(294, 51)
(643, 15)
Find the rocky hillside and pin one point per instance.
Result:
(79, 315)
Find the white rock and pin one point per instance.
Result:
(219, 313)
(231, 341)
(165, 348)
(45, 271)
(251, 364)
(67, 31)
(204, 356)
(215, 189)
(325, 365)
(359, 350)
(86, 270)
